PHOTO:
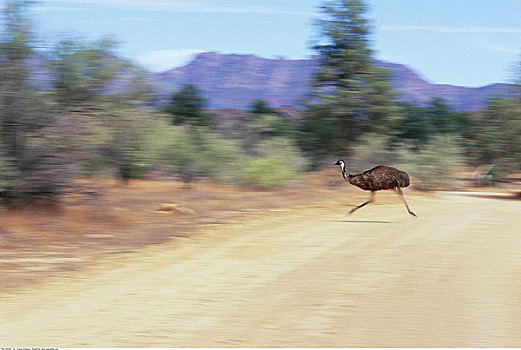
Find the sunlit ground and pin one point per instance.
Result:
(153, 263)
(107, 219)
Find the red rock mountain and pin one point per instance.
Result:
(235, 81)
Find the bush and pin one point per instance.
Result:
(43, 171)
(169, 150)
(217, 158)
(371, 150)
(267, 173)
(436, 165)
(199, 152)
(9, 177)
(126, 155)
(191, 152)
(278, 164)
(115, 141)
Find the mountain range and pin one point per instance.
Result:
(235, 81)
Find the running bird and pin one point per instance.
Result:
(379, 178)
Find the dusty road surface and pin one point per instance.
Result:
(299, 277)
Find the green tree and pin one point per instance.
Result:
(444, 120)
(353, 94)
(87, 73)
(319, 137)
(82, 71)
(417, 125)
(86, 93)
(414, 127)
(498, 134)
(33, 151)
(15, 88)
(262, 107)
(495, 133)
(186, 107)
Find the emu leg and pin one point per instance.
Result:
(399, 190)
(371, 199)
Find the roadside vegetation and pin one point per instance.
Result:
(68, 120)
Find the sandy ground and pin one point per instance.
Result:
(301, 276)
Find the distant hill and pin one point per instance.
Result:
(414, 89)
(235, 81)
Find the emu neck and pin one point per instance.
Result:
(345, 174)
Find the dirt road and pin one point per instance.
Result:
(301, 277)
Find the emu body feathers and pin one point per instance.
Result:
(379, 178)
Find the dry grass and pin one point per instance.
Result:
(110, 220)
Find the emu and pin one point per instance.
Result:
(379, 178)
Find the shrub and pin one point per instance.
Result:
(42, 171)
(217, 158)
(199, 152)
(267, 173)
(371, 150)
(191, 152)
(278, 164)
(9, 177)
(126, 155)
(168, 150)
(434, 166)
(115, 141)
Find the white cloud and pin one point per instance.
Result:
(450, 29)
(163, 60)
(197, 6)
(479, 34)
(496, 47)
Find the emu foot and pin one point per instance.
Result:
(350, 212)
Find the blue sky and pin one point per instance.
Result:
(461, 42)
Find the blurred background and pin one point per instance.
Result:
(130, 89)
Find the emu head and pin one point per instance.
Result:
(342, 167)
